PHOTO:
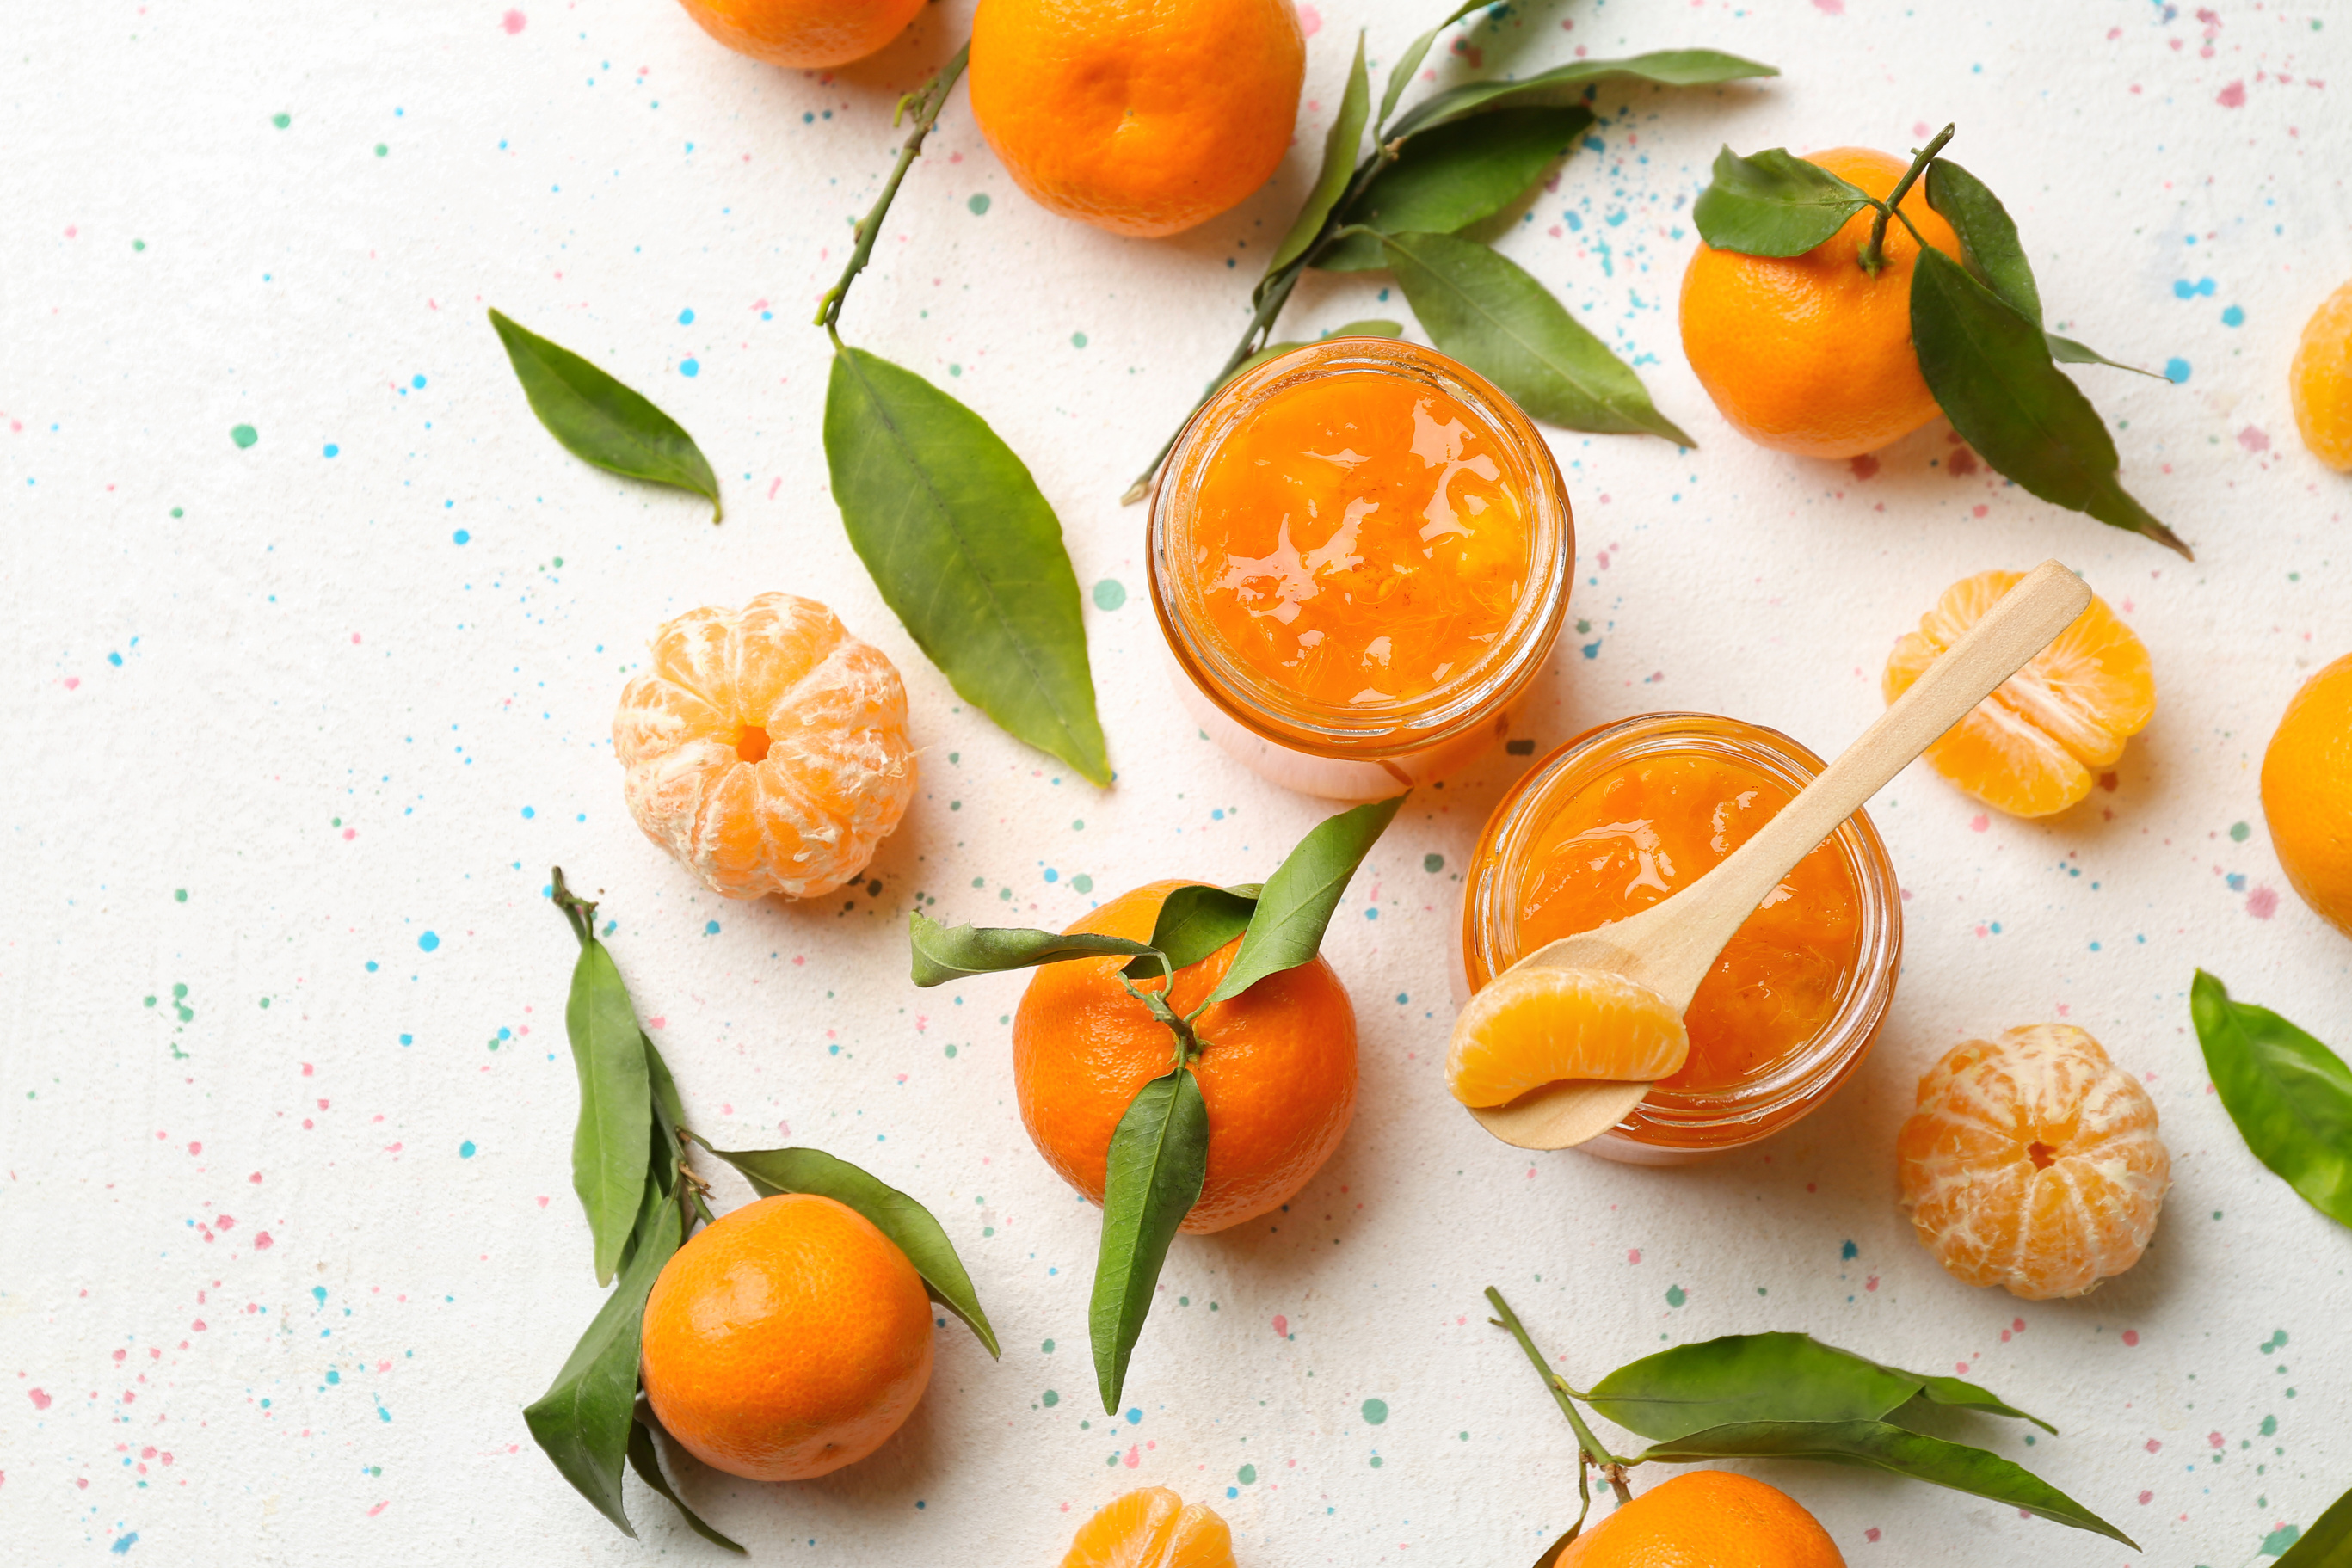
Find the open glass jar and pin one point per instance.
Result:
(1746, 1088)
(1360, 555)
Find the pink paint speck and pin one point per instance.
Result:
(1830, 7)
(1871, 1534)
(2152, 1445)
(2231, 97)
(2131, 1336)
(1282, 1325)
(1864, 467)
(1871, 1283)
(72, 681)
(2263, 903)
(387, 1502)
(1980, 822)
(261, 1242)
(1134, 1458)
(2212, 1440)
(662, 1022)
(1310, 21)
(1632, 1255)
(225, 1222)
(2254, 438)
(40, 1400)
(513, 22)
(196, 1148)
(2145, 1498)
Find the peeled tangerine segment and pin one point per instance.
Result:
(2034, 747)
(1152, 1528)
(1531, 1027)
(2033, 1161)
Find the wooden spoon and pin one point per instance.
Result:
(1671, 945)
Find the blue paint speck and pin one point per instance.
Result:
(408, 1039)
(2176, 369)
(464, 1152)
(1135, 1417)
(686, 318)
(416, 381)
(429, 941)
(333, 450)
(689, 367)
(319, 1294)
(125, 1545)
(1849, 1252)
(461, 537)
(1053, 875)
(2235, 316)
(710, 928)
(528, 813)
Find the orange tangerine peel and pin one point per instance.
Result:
(1529, 1027)
(2032, 1162)
(2035, 746)
(1152, 1527)
(766, 748)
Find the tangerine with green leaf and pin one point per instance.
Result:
(787, 1340)
(1276, 1065)
(1813, 354)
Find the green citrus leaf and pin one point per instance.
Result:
(1745, 1378)
(944, 953)
(1990, 247)
(648, 1464)
(1194, 922)
(1772, 203)
(1368, 328)
(1448, 178)
(1991, 372)
(966, 551)
(2327, 1543)
(1878, 1444)
(1159, 1159)
(1486, 311)
(669, 1115)
(609, 1145)
(2067, 351)
(905, 1221)
(1400, 74)
(597, 419)
(1566, 84)
(1340, 145)
(582, 1420)
(1294, 907)
(2290, 1096)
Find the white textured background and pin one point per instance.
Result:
(286, 1230)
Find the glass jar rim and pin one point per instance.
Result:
(1868, 991)
(1468, 698)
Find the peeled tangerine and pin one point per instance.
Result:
(2032, 746)
(2031, 1163)
(766, 748)
(1531, 1027)
(1152, 1528)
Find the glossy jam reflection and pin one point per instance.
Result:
(1651, 829)
(1358, 540)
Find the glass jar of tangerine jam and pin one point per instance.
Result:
(1360, 555)
(1632, 812)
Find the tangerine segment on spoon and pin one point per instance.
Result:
(1533, 1026)
(1670, 947)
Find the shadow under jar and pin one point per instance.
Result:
(1632, 812)
(1361, 556)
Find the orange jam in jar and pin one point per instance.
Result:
(1636, 811)
(1361, 556)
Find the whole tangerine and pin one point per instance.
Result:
(1277, 1067)
(2307, 793)
(2032, 1162)
(766, 748)
(1707, 1518)
(1811, 353)
(804, 35)
(1142, 117)
(2320, 382)
(787, 1340)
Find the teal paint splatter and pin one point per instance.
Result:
(1433, 863)
(978, 202)
(245, 435)
(1049, 1399)
(1676, 1295)
(1110, 593)
(1376, 1411)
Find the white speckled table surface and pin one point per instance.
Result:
(313, 640)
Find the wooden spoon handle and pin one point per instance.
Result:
(2042, 604)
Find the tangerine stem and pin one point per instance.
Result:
(1612, 1467)
(926, 102)
(578, 912)
(1872, 255)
